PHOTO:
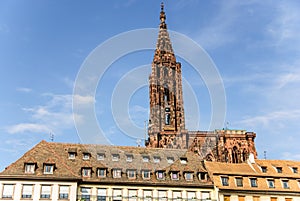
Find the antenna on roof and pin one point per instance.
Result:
(226, 125)
(51, 137)
(265, 155)
(138, 142)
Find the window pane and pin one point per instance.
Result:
(8, 190)
(27, 191)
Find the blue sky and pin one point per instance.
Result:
(254, 44)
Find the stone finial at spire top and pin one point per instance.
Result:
(162, 17)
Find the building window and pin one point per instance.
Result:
(167, 119)
(162, 196)
(183, 160)
(46, 191)
(72, 155)
(264, 169)
(170, 159)
(146, 174)
(132, 195)
(101, 194)
(8, 190)
(191, 195)
(202, 176)
(117, 194)
(160, 175)
(253, 182)
(29, 168)
(48, 168)
(189, 176)
(115, 157)
(174, 175)
(224, 181)
(147, 195)
(156, 159)
(131, 174)
(129, 158)
(271, 183)
(295, 169)
(100, 156)
(86, 156)
(177, 195)
(117, 173)
(285, 184)
(86, 193)
(101, 172)
(239, 181)
(86, 172)
(64, 192)
(27, 191)
(226, 197)
(146, 159)
(279, 169)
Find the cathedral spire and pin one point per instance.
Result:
(162, 17)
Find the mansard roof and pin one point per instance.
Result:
(261, 170)
(112, 157)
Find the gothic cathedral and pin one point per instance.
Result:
(167, 123)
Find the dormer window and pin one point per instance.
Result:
(170, 159)
(224, 181)
(30, 168)
(146, 159)
(183, 160)
(189, 176)
(253, 182)
(117, 173)
(131, 174)
(129, 157)
(202, 176)
(48, 168)
(160, 175)
(101, 172)
(72, 155)
(146, 174)
(285, 184)
(271, 183)
(295, 170)
(156, 159)
(264, 169)
(115, 157)
(86, 156)
(86, 172)
(175, 175)
(100, 156)
(279, 169)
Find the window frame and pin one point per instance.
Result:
(190, 177)
(239, 182)
(86, 156)
(117, 173)
(101, 170)
(160, 175)
(285, 183)
(271, 183)
(6, 196)
(115, 157)
(225, 180)
(63, 195)
(47, 170)
(29, 168)
(24, 195)
(253, 182)
(146, 172)
(44, 195)
(100, 156)
(131, 174)
(174, 175)
(86, 172)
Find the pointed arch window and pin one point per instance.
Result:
(235, 155)
(167, 119)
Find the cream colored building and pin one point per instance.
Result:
(258, 180)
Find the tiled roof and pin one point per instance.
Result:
(67, 168)
(246, 171)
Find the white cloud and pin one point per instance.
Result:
(27, 127)
(83, 100)
(24, 89)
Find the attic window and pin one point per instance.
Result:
(224, 181)
(170, 159)
(253, 182)
(30, 168)
(117, 173)
(295, 169)
(146, 159)
(86, 156)
(202, 176)
(129, 157)
(48, 168)
(271, 183)
(239, 181)
(101, 172)
(100, 156)
(160, 175)
(115, 157)
(175, 175)
(72, 155)
(279, 169)
(285, 184)
(86, 172)
(183, 160)
(131, 174)
(189, 176)
(146, 174)
(156, 159)
(264, 169)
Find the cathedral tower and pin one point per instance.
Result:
(166, 124)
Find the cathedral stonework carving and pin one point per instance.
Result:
(166, 128)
